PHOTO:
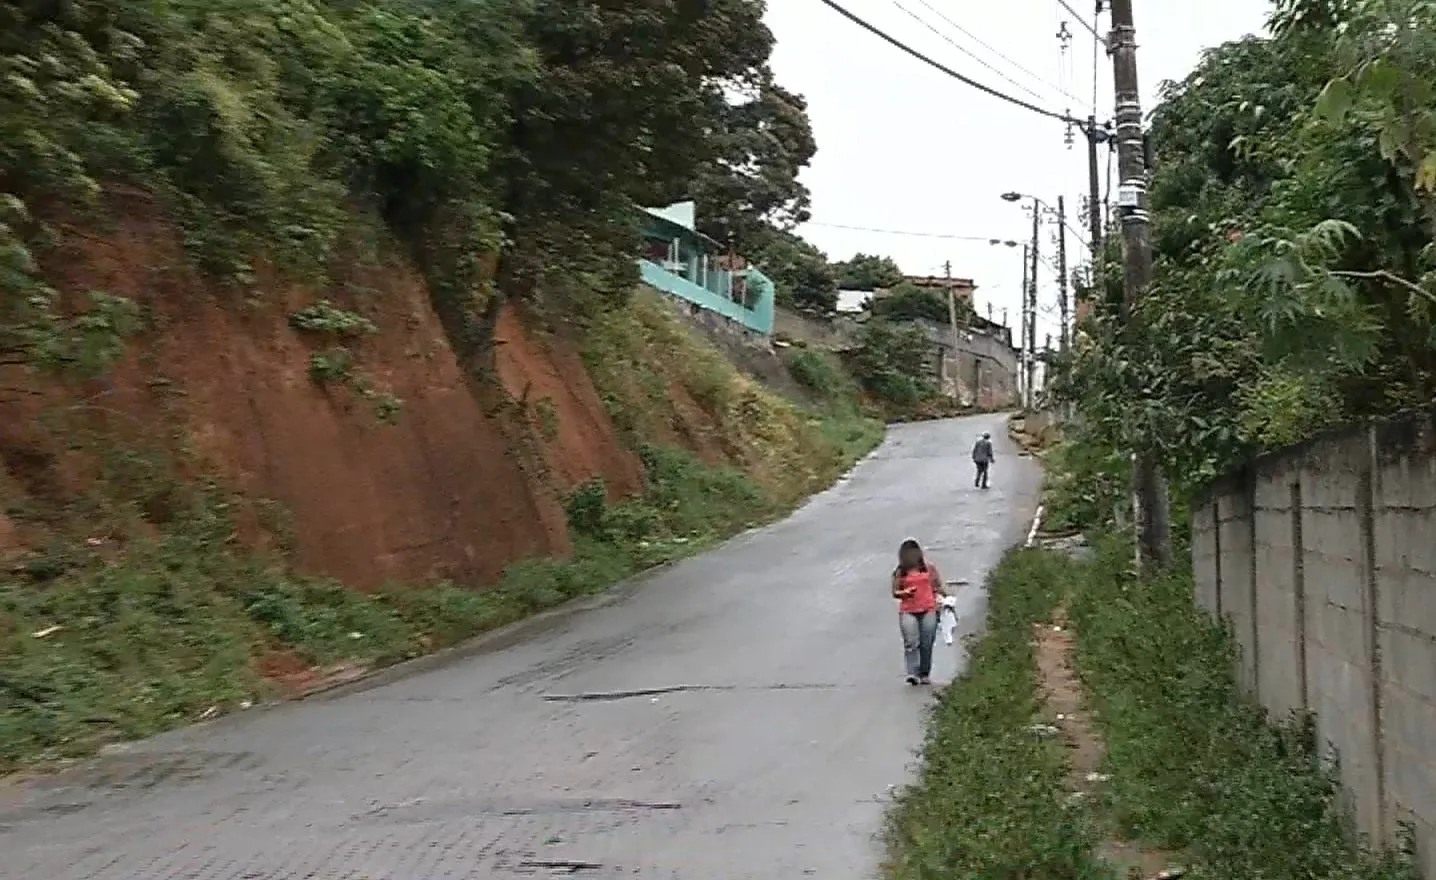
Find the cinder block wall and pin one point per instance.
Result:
(1322, 559)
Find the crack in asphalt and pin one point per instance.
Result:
(612, 696)
(559, 866)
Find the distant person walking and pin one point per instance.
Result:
(918, 588)
(982, 457)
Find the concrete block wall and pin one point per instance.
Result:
(1322, 560)
(981, 371)
(837, 333)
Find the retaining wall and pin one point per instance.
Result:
(1322, 558)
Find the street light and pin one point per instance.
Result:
(1029, 293)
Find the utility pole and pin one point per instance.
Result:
(1032, 306)
(1062, 303)
(1094, 187)
(952, 321)
(1154, 527)
(1023, 350)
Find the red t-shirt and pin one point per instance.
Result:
(924, 587)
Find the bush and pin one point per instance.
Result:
(1087, 483)
(816, 372)
(890, 363)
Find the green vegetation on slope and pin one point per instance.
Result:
(659, 380)
(185, 623)
(989, 800)
(174, 626)
(505, 144)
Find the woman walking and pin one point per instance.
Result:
(918, 588)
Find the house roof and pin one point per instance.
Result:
(940, 281)
(666, 220)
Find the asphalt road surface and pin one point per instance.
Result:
(739, 715)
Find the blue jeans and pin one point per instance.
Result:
(919, 632)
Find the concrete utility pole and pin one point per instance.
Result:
(1022, 349)
(1062, 302)
(1032, 306)
(1154, 527)
(1094, 186)
(952, 320)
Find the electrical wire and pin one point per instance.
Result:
(971, 36)
(942, 235)
(968, 81)
(950, 41)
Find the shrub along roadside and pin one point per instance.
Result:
(989, 800)
(1193, 765)
(183, 624)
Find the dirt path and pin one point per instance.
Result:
(1062, 693)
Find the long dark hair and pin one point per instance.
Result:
(907, 545)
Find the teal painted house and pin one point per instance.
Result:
(683, 262)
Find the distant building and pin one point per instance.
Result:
(852, 302)
(683, 262)
(941, 284)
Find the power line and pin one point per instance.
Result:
(950, 41)
(1061, 117)
(942, 235)
(971, 36)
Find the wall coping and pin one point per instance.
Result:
(1400, 435)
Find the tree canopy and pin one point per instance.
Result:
(867, 272)
(1293, 222)
(521, 133)
(908, 302)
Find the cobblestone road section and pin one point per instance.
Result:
(740, 715)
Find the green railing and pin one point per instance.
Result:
(755, 311)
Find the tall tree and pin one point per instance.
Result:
(1294, 284)
(800, 271)
(868, 272)
(750, 183)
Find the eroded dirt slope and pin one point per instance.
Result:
(222, 384)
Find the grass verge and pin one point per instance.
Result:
(1193, 765)
(989, 799)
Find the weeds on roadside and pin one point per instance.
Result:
(1193, 764)
(989, 800)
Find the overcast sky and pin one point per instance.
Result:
(904, 147)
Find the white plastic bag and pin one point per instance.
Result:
(947, 619)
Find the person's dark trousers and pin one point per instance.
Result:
(981, 479)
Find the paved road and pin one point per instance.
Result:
(770, 757)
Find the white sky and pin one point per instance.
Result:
(904, 147)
